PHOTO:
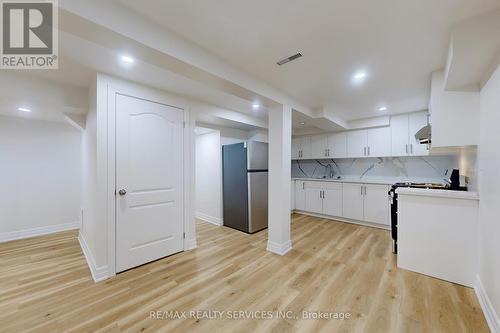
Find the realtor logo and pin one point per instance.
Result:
(29, 35)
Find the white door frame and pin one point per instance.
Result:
(188, 157)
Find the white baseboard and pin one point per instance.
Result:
(98, 273)
(344, 220)
(210, 219)
(488, 309)
(28, 233)
(278, 248)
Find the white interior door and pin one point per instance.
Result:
(149, 181)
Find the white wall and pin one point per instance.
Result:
(209, 177)
(40, 175)
(489, 192)
(91, 234)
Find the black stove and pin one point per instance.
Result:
(394, 205)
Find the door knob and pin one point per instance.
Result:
(122, 192)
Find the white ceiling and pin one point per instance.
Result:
(399, 43)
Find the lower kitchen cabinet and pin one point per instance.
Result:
(366, 202)
(376, 204)
(324, 198)
(353, 201)
(314, 199)
(332, 200)
(300, 195)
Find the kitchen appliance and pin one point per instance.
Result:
(394, 206)
(245, 172)
(455, 180)
(424, 135)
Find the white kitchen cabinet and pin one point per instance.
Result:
(301, 147)
(314, 198)
(329, 146)
(376, 204)
(319, 146)
(353, 201)
(379, 142)
(332, 199)
(399, 133)
(403, 130)
(300, 195)
(366, 202)
(374, 142)
(416, 122)
(292, 195)
(323, 198)
(337, 145)
(357, 144)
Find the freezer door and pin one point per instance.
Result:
(257, 201)
(257, 155)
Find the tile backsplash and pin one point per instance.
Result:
(424, 169)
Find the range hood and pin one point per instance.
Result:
(424, 135)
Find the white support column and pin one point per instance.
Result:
(280, 151)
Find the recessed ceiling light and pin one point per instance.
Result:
(127, 59)
(359, 76)
(255, 106)
(382, 108)
(24, 109)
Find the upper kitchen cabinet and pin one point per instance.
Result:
(379, 142)
(374, 142)
(301, 147)
(337, 145)
(327, 146)
(454, 115)
(357, 142)
(403, 130)
(319, 146)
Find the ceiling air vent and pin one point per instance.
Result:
(290, 58)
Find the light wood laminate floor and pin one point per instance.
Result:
(45, 286)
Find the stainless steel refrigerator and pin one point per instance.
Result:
(245, 186)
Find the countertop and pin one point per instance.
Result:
(465, 195)
(357, 180)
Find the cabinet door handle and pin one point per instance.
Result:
(368, 150)
(361, 189)
(303, 186)
(411, 148)
(365, 151)
(407, 148)
(365, 190)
